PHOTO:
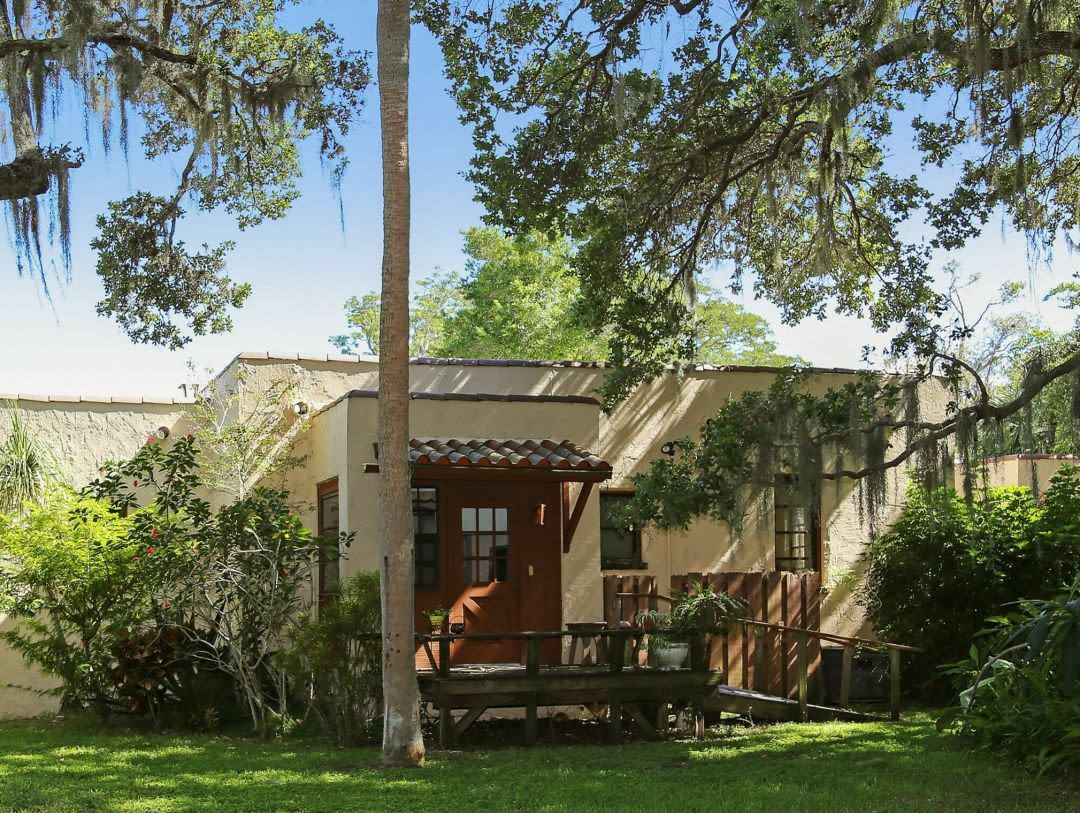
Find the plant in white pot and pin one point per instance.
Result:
(701, 611)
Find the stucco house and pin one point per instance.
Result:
(515, 469)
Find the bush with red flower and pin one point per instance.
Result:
(135, 587)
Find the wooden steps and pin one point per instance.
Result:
(759, 706)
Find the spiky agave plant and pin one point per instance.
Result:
(27, 466)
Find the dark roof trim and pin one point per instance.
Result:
(512, 398)
(1030, 456)
(586, 365)
(484, 396)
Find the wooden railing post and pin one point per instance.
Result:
(617, 653)
(894, 683)
(804, 686)
(761, 682)
(444, 655)
(845, 677)
(532, 669)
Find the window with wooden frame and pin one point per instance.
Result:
(329, 529)
(425, 513)
(485, 545)
(620, 548)
(795, 526)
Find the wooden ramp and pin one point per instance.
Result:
(759, 706)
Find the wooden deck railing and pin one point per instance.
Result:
(615, 656)
(802, 636)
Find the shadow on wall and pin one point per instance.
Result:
(23, 690)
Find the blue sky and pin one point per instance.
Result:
(302, 268)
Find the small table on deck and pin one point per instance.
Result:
(583, 649)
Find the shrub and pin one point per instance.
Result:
(1020, 696)
(82, 585)
(335, 661)
(138, 596)
(947, 564)
(234, 578)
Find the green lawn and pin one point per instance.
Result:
(66, 766)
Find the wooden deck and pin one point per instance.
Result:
(621, 682)
(643, 694)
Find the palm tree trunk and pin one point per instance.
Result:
(403, 742)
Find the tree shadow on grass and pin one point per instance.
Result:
(836, 768)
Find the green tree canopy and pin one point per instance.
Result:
(671, 136)
(222, 85)
(675, 137)
(519, 298)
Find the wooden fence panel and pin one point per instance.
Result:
(811, 585)
(791, 599)
(630, 606)
(772, 613)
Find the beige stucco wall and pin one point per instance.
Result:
(339, 441)
(1032, 471)
(673, 406)
(83, 434)
(582, 593)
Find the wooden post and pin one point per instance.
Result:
(446, 714)
(617, 653)
(532, 669)
(615, 721)
(662, 719)
(804, 688)
(446, 722)
(532, 657)
(530, 722)
(894, 684)
(444, 656)
(761, 683)
(845, 677)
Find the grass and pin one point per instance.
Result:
(72, 766)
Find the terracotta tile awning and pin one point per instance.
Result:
(512, 454)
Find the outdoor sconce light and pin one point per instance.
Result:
(668, 448)
(162, 432)
(301, 408)
(538, 513)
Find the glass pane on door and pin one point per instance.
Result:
(485, 545)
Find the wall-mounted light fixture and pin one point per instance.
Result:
(668, 448)
(301, 408)
(538, 513)
(162, 432)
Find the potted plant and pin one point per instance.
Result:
(666, 647)
(703, 611)
(437, 618)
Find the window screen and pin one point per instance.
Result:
(619, 546)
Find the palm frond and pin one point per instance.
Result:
(27, 466)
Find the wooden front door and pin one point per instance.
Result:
(500, 563)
